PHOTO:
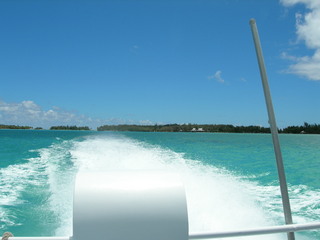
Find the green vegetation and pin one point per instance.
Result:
(69, 128)
(2, 126)
(306, 128)
(186, 128)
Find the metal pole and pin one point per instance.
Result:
(273, 127)
(256, 231)
(43, 238)
(227, 234)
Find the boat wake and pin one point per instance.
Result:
(218, 200)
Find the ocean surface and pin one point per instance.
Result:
(230, 179)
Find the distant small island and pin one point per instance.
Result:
(3, 126)
(227, 128)
(69, 128)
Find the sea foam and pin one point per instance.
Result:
(217, 200)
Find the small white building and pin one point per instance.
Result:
(197, 130)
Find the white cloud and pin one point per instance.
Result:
(134, 49)
(308, 31)
(308, 28)
(146, 122)
(217, 77)
(309, 3)
(28, 113)
(305, 66)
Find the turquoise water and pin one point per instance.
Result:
(230, 179)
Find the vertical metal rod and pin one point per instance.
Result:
(273, 128)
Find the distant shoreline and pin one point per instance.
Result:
(222, 128)
(13, 127)
(196, 128)
(3, 126)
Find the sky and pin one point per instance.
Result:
(95, 62)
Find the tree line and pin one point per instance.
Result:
(185, 128)
(306, 128)
(69, 128)
(3, 126)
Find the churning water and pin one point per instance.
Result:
(230, 179)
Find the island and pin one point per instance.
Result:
(3, 126)
(186, 128)
(227, 128)
(69, 128)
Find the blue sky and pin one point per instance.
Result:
(145, 62)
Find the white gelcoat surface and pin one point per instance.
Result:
(130, 205)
